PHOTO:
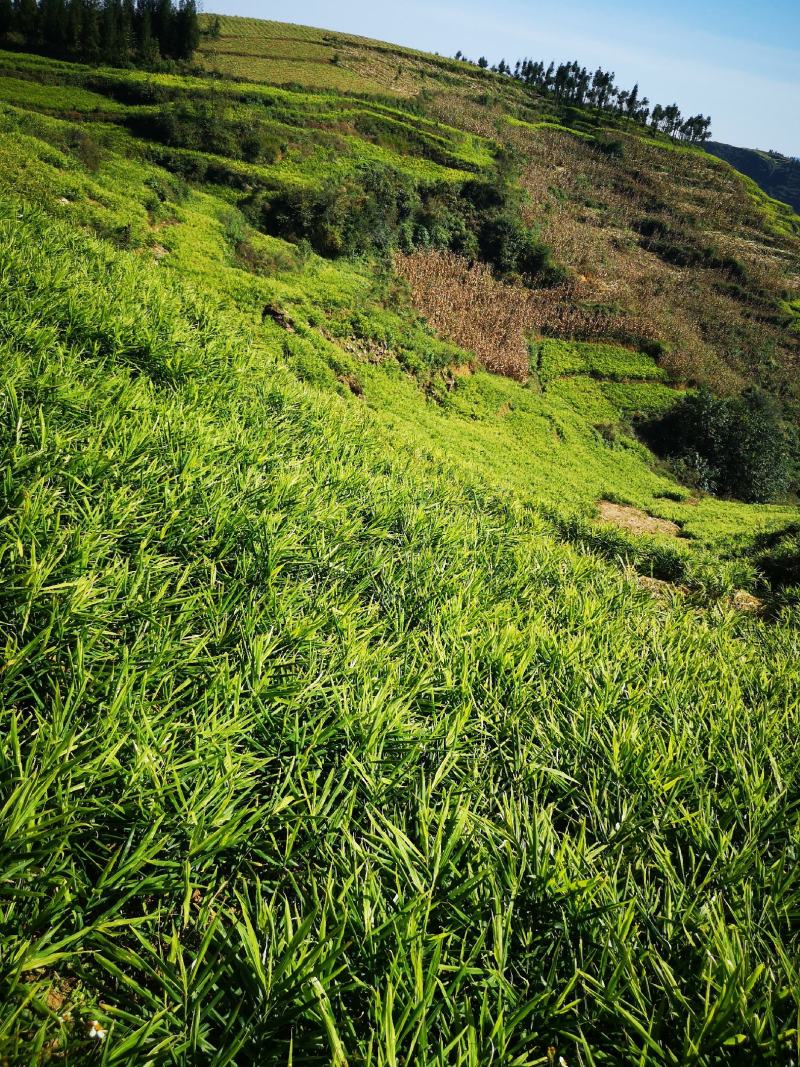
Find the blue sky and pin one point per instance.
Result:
(738, 62)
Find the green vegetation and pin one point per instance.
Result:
(112, 31)
(739, 446)
(335, 727)
(376, 209)
(558, 358)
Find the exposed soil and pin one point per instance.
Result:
(635, 520)
(278, 316)
(657, 587)
(352, 383)
(747, 603)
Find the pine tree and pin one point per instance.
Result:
(74, 27)
(164, 26)
(91, 42)
(186, 30)
(6, 17)
(127, 40)
(57, 31)
(26, 20)
(148, 45)
(110, 30)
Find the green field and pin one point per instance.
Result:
(336, 727)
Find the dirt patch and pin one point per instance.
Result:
(352, 383)
(162, 224)
(159, 251)
(55, 999)
(657, 587)
(747, 603)
(635, 520)
(278, 316)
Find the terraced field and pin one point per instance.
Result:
(282, 54)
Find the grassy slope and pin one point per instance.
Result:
(317, 738)
(321, 296)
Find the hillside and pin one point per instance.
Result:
(777, 175)
(371, 693)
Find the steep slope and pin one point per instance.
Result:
(664, 246)
(777, 175)
(336, 729)
(312, 753)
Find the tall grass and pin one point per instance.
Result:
(495, 320)
(310, 756)
(313, 747)
(465, 303)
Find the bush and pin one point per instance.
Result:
(512, 248)
(734, 446)
(210, 125)
(85, 148)
(777, 556)
(361, 212)
(377, 209)
(612, 147)
(677, 244)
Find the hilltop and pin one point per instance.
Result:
(392, 670)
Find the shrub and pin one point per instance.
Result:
(512, 248)
(85, 148)
(211, 125)
(612, 147)
(778, 556)
(677, 244)
(375, 208)
(363, 211)
(735, 446)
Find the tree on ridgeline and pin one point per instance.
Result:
(570, 83)
(696, 129)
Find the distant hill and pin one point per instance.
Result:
(778, 175)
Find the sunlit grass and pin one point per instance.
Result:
(334, 728)
(305, 749)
